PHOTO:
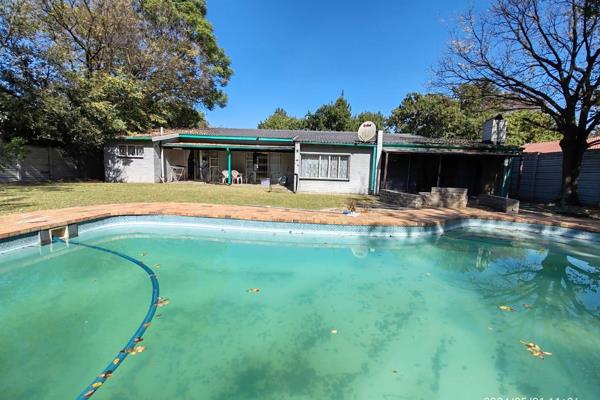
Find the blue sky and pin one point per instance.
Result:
(299, 54)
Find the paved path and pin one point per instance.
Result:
(17, 224)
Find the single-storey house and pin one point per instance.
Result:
(309, 161)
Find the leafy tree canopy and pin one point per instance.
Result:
(281, 120)
(375, 117)
(336, 116)
(431, 115)
(528, 126)
(76, 72)
(462, 115)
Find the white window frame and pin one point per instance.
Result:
(321, 154)
(136, 149)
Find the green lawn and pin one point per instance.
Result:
(21, 198)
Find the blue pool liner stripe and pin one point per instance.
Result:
(139, 333)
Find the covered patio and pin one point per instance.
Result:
(415, 169)
(228, 163)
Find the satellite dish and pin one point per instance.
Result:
(367, 131)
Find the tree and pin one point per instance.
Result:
(336, 116)
(14, 150)
(542, 54)
(529, 126)
(77, 72)
(431, 115)
(281, 120)
(376, 117)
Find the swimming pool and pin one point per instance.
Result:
(327, 316)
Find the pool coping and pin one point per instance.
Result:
(18, 228)
(20, 224)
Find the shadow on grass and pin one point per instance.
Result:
(15, 197)
(6, 188)
(12, 204)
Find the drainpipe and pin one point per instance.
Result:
(228, 166)
(378, 161)
(296, 166)
(162, 163)
(373, 170)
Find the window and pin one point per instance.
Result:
(130, 150)
(324, 166)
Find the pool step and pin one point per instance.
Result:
(63, 232)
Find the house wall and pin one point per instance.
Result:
(359, 173)
(40, 164)
(538, 177)
(144, 169)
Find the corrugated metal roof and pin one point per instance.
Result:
(554, 146)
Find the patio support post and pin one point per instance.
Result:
(408, 175)
(228, 166)
(162, 164)
(508, 161)
(439, 172)
(384, 183)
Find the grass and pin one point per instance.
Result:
(22, 198)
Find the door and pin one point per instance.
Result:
(262, 165)
(275, 167)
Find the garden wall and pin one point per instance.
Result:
(40, 164)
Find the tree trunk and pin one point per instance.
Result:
(573, 147)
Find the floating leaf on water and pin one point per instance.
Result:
(253, 290)
(506, 308)
(157, 266)
(162, 302)
(535, 349)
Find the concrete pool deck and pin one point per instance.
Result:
(23, 223)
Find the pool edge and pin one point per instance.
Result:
(507, 228)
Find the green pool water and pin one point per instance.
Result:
(415, 319)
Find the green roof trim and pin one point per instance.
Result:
(224, 146)
(136, 137)
(246, 138)
(451, 147)
(340, 144)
